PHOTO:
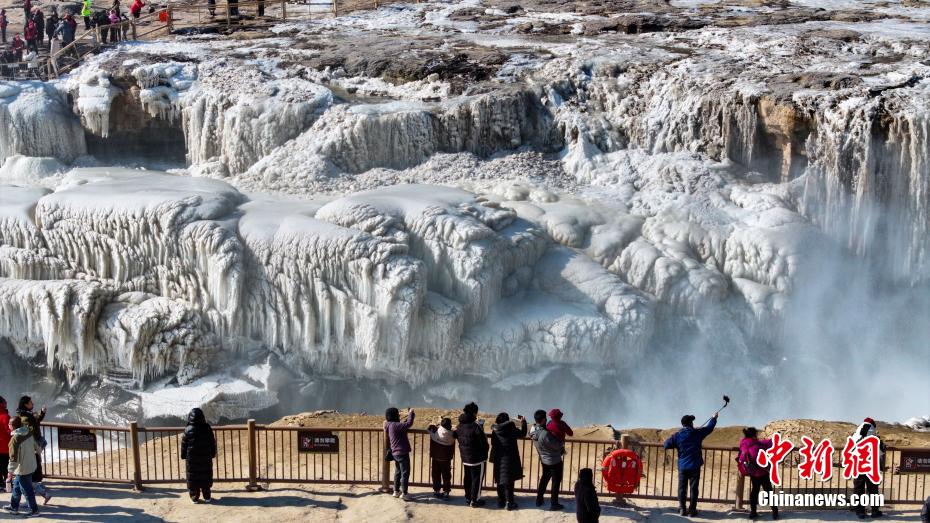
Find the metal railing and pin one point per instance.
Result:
(262, 454)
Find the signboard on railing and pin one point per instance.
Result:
(915, 461)
(317, 441)
(83, 440)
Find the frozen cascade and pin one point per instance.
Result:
(385, 283)
(35, 120)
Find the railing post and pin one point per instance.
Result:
(170, 22)
(624, 444)
(136, 456)
(386, 471)
(284, 10)
(228, 16)
(335, 9)
(738, 504)
(253, 458)
(134, 33)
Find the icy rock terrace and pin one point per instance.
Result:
(467, 187)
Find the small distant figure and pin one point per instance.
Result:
(396, 431)
(17, 46)
(31, 34)
(441, 454)
(749, 449)
(211, 7)
(473, 447)
(39, 18)
(4, 22)
(557, 427)
(550, 450)
(23, 451)
(198, 449)
(587, 507)
(87, 10)
(114, 19)
(27, 9)
(5, 435)
(51, 23)
(136, 8)
(690, 459)
(862, 484)
(66, 28)
(508, 467)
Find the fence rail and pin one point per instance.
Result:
(263, 454)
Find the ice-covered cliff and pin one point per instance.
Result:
(432, 192)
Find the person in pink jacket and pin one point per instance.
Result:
(749, 449)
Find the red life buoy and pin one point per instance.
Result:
(621, 471)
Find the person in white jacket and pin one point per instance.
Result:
(23, 463)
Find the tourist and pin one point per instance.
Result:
(136, 8)
(86, 11)
(587, 507)
(473, 448)
(862, 484)
(749, 449)
(23, 463)
(557, 427)
(925, 511)
(198, 449)
(51, 23)
(396, 431)
(550, 451)
(688, 442)
(211, 7)
(27, 9)
(4, 437)
(31, 34)
(441, 453)
(508, 467)
(114, 20)
(34, 424)
(39, 18)
(66, 28)
(16, 47)
(3, 23)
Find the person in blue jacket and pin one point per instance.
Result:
(688, 442)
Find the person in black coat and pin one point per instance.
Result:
(505, 452)
(473, 449)
(587, 508)
(198, 448)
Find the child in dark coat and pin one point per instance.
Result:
(587, 508)
(198, 448)
(441, 453)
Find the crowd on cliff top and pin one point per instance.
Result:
(22, 444)
(47, 30)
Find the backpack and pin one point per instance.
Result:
(746, 462)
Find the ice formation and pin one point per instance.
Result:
(441, 191)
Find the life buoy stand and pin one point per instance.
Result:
(621, 471)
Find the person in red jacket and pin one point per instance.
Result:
(17, 47)
(136, 8)
(4, 437)
(749, 448)
(31, 34)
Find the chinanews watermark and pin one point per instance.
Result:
(861, 462)
(819, 498)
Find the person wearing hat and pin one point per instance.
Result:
(690, 459)
(862, 484)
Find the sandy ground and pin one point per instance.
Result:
(81, 502)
